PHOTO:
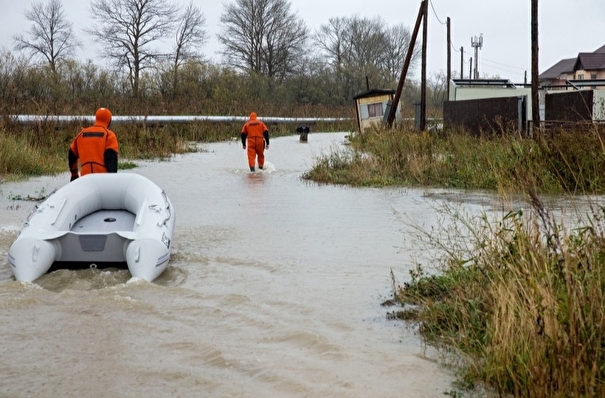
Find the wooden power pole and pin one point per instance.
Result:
(449, 58)
(425, 12)
(535, 93)
(406, 65)
(461, 62)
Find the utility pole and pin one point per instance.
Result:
(406, 64)
(477, 43)
(461, 62)
(535, 94)
(449, 58)
(422, 124)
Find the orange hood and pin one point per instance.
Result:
(103, 117)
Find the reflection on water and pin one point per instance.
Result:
(273, 289)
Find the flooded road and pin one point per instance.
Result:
(274, 289)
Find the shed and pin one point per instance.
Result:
(373, 106)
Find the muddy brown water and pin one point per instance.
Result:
(274, 289)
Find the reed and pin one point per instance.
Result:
(20, 157)
(520, 297)
(518, 300)
(559, 163)
(31, 150)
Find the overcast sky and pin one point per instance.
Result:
(566, 28)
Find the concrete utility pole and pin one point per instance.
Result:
(477, 43)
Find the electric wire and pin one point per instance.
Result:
(435, 13)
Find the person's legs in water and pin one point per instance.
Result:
(260, 152)
(251, 153)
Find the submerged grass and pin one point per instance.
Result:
(519, 299)
(522, 298)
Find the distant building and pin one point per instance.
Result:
(372, 107)
(576, 72)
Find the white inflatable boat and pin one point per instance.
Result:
(98, 220)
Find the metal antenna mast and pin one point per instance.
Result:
(477, 43)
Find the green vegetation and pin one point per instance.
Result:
(42, 149)
(520, 299)
(562, 162)
(517, 299)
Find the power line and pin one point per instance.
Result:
(501, 69)
(496, 62)
(435, 12)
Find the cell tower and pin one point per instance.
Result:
(477, 43)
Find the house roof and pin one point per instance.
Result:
(374, 93)
(584, 61)
(560, 68)
(590, 61)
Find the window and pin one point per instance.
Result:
(375, 110)
(580, 76)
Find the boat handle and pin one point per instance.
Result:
(167, 209)
(59, 211)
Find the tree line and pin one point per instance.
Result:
(269, 57)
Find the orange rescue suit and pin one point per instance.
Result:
(96, 147)
(256, 134)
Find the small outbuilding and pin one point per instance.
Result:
(372, 107)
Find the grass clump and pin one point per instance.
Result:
(18, 158)
(41, 149)
(560, 163)
(521, 298)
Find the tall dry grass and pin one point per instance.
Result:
(518, 299)
(560, 163)
(41, 149)
(521, 298)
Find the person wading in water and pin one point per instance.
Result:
(255, 135)
(96, 147)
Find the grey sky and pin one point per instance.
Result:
(566, 28)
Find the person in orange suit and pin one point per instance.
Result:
(255, 135)
(96, 148)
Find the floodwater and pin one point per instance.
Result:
(274, 289)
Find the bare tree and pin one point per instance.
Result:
(368, 41)
(361, 50)
(51, 34)
(398, 38)
(334, 40)
(437, 86)
(128, 29)
(262, 36)
(190, 34)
